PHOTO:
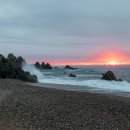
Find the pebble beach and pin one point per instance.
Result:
(28, 107)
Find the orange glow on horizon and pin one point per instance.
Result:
(111, 57)
(106, 57)
(76, 63)
(113, 63)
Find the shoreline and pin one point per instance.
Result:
(28, 107)
(77, 88)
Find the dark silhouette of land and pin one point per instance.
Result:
(11, 67)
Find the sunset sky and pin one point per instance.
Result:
(66, 31)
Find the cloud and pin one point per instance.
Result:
(9, 11)
(63, 29)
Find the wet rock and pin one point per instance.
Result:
(37, 65)
(72, 75)
(69, 67)
(43, 65)
(26, 76)
(56, 67)
(120, 79)
(109, 76)
(48, 66)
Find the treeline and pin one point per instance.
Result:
(11, 67)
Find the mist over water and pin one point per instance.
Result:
(86, 76)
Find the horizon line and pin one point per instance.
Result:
(86, 64)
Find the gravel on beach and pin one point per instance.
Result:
(27, 107)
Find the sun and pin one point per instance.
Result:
(113, 63)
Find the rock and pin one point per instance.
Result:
(69, 67)
(37, 65)
(56, 67)
(109, 76)
(1, 56)
(43, 65)
(12, 68)
(3, 60)
(72, 75)
(11, 58)
(48, 66)
(26, 76)
(19, 61)
(120, 79)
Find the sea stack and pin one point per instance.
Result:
(69, 67)
(109, 76)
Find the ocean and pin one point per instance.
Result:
(89, 76)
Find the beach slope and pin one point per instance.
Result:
(27, 107)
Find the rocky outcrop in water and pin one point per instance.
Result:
(43, 65)
(72, 75)
(48, 66)
(69, 67)
(109, 76)
(11, 67)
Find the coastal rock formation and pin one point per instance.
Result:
(11, 58)
(72, 75)
(1, 57)
(69, 67)
(37, 65)
(43, 65)
(56, 67)
(19, 61)
(120, 79)
(48, 66)
(11, 67)
(26, 76)
(109, 76)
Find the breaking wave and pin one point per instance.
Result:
(122, 86)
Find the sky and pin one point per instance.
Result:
(66, 31)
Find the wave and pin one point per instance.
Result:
(122, 86)
(33, 70)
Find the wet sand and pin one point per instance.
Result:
(28, 107)
(81, 88)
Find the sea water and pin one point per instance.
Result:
(89, 76)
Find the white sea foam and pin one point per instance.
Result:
(32, 69)
(100, 84)
(123, 86)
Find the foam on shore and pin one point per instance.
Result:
(122, 86)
